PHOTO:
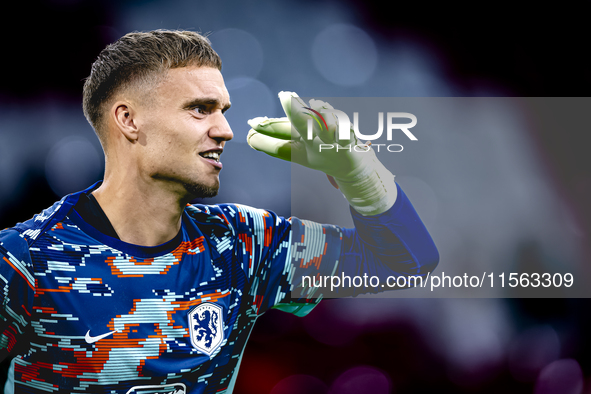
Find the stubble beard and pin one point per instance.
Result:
(199, 190)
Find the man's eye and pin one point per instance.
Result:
(201, 109)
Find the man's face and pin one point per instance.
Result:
(184, 131)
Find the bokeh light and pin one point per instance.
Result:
(560, 377)
(362, 379)
(241, 53)
(72, 164)
(344, 54)
(532, 350)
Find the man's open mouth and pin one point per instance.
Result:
(213, 155)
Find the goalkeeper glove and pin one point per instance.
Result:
(362, 178)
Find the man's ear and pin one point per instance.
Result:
(123, 114)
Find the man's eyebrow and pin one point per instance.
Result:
(206, 101)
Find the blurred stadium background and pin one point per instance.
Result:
(527, 204)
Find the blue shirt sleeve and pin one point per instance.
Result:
(16, 291)
(390, 244)
(393, 243)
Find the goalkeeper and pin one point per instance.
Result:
(126, 288)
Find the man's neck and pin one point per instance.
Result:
(141, 213)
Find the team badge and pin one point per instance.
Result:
(206, 327)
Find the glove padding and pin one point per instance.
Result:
(366, 183)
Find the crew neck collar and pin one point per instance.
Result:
(128, 248)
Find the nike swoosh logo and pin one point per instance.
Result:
(90, 339)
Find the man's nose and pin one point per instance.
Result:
(221, 130)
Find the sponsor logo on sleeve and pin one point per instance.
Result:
(176, 388)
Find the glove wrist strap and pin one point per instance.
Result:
(370, 191)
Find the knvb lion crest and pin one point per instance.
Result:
(206, 326)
